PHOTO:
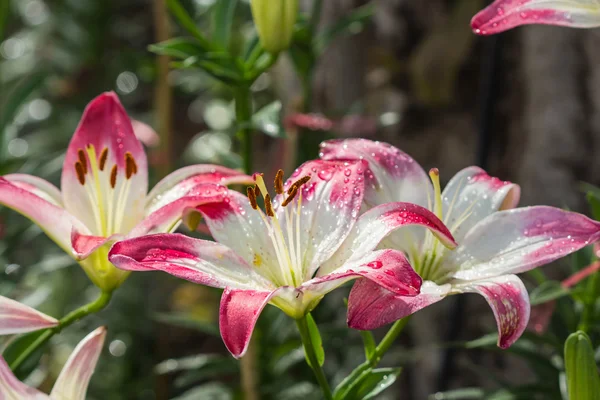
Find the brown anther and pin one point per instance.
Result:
(298, 183)
(113, 176)
(279, 182)
(102, 159)
(252, 197)
(256, 191)
(291, 196)
(79, 170)
(130, 165)
(82, 160)
(269, 206)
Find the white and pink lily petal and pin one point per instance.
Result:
(502, 15)
(470, 196)
(371, 307)
(501, 245)
(16, 318)
(289, 255)
(104, 186)
(495, 239)
(73, 381)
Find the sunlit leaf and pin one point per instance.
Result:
(372, 383)
(268, 120)
(315, 338)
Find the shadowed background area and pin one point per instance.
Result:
(525, 105)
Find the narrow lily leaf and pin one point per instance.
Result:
(583, 382)
(373, 383)
(223, 13)
(187, 321)
(547, 291)
(594, 202)
(502, 15)
(353, 23)
(17, 347)
(268, 120)
(182, 48)
(369, 343)
(187, 22)
(315, 338)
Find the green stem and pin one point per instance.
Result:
(74, 316)
(361, 371)
(388, 340)
(312, 357)
(589, 308)
(315, 16)
(243, 114)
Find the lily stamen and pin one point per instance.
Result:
(113, 176)
(252, 197)
(279, 182)
(298, 183)
(269, 206)
(288, 200)
(102, 160)
(80, 171)
(130, 165)
(82, 160)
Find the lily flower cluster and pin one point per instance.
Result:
(365, 210)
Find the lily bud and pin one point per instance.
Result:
(275, 21)
(583, 382)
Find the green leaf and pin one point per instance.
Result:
(315, 339)
(186, 321)
(583, 382)
(187, 22)
(372, 383)
(547, 291)
(181, 47)
(594, 202)
(352, 23)
(17, 347)
(223, 13)
(369, 343)
(268, 120)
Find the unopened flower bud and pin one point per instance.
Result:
(275, 21)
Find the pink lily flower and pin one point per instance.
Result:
(495, 241)
(72, 383)
(19, 318)
(104, 186)
(287, 255)
(502, 15)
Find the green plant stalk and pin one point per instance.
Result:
(310, 353)
(589, 308)
(315, 16)
(91, 308)
(243, 115)
(383, 346)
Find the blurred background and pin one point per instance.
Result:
(525, 105)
